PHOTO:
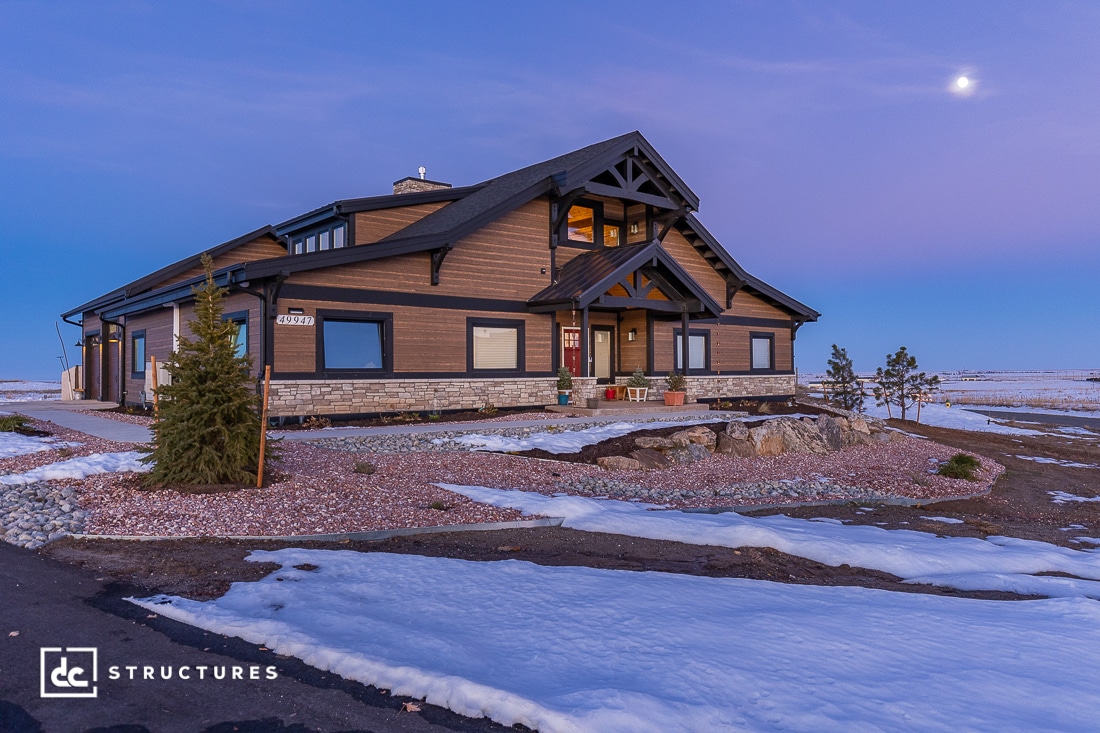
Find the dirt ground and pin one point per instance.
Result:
(1018, 506)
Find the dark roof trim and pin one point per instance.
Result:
(176, 268)
(174, 293)
(591, 291)
(778, 297)
(372, 203)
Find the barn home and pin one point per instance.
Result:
(437, 297)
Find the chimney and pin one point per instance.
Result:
(415, 185)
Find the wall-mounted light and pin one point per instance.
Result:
(633, 227)
(79, 344)
(542, 270)
(632, 335)
(295, 311)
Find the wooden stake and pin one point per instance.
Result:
(263, 427)
(156, 400)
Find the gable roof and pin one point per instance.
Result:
(586, 278)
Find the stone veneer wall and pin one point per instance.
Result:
(300, 397)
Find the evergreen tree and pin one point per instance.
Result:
(842, 379)
(209, 426)
(900, 383)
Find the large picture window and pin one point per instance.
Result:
(698, 351)
(358, 345)
(494, 345)
(763, 350)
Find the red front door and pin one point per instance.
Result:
(571, 350)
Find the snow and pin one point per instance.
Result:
(968, 563)
(21, 390)
(581, 649)
(1062, 497)
(1057, 462)
(14, 444)
(945, 520)
(78, 468)
(941, 416)
(565, 441)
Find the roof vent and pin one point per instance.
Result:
(415, 185)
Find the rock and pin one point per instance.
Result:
(730, 446)
(657, 443)
(787, 435)
(859, 425)
(691, 453)
(697, 434)
(737, 430)
(833, 431)
(651, 459)
(618, 463)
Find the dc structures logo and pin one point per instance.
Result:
(69, 672)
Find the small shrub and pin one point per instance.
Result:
(488, 409)
(434, 416)
(12, 423)
(565, 379)
(675, 382)
(722, 405)
(409, 417)
(316, 422)
(961, 466)
(64, 452)
(439, 506)
(638, 379)
(363, 467)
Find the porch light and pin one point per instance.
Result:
(632, 335)
(295, 311)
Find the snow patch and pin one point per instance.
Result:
(78, 468)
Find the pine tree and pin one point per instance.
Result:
(900, 383)
(842, 379)
(209, 426)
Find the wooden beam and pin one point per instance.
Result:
(665, 306)
(732, 288)
(585, 368)
(600, 189)
(438, 255)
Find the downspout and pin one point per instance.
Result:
(83, 355)
(264, 308)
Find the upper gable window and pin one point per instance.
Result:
(319, 240)
(586, 223)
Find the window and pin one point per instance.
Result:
(137, 354)
(585, 223)
(698, 350)
(358, 344)
(240, 341)
(494, 345)
(319, 240)
(763, 350)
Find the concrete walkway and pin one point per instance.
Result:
(64, 414)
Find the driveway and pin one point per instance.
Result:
(50, 604)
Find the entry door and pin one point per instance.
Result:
(92, 365)
(571, 350)
(601, 353)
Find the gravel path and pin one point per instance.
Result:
(364, 483)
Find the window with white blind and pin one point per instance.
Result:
(495, 345)
(698, 351)
(763, 350)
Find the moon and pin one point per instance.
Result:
(962, 82)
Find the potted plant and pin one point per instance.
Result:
(675, 383)
(637, 388)
(565, 385)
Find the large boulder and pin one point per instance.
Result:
(735, 441)
(654, 443)
(833, 430)
(618, 463)
(696, 434)
(787, 435)
(651, 459)
(691, 453)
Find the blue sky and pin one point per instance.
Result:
(830, 154)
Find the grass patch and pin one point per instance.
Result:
(961, 466)
(12, 423)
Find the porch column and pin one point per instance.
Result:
(685, 341)
(586, 370)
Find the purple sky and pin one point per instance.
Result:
(831, 156)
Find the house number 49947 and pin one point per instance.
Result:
(295, 320)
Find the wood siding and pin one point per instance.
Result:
(263, 248)
(425, 340)
(373, 226)
(730, 347)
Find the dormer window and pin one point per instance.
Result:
(586, 224)
(319, 240)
